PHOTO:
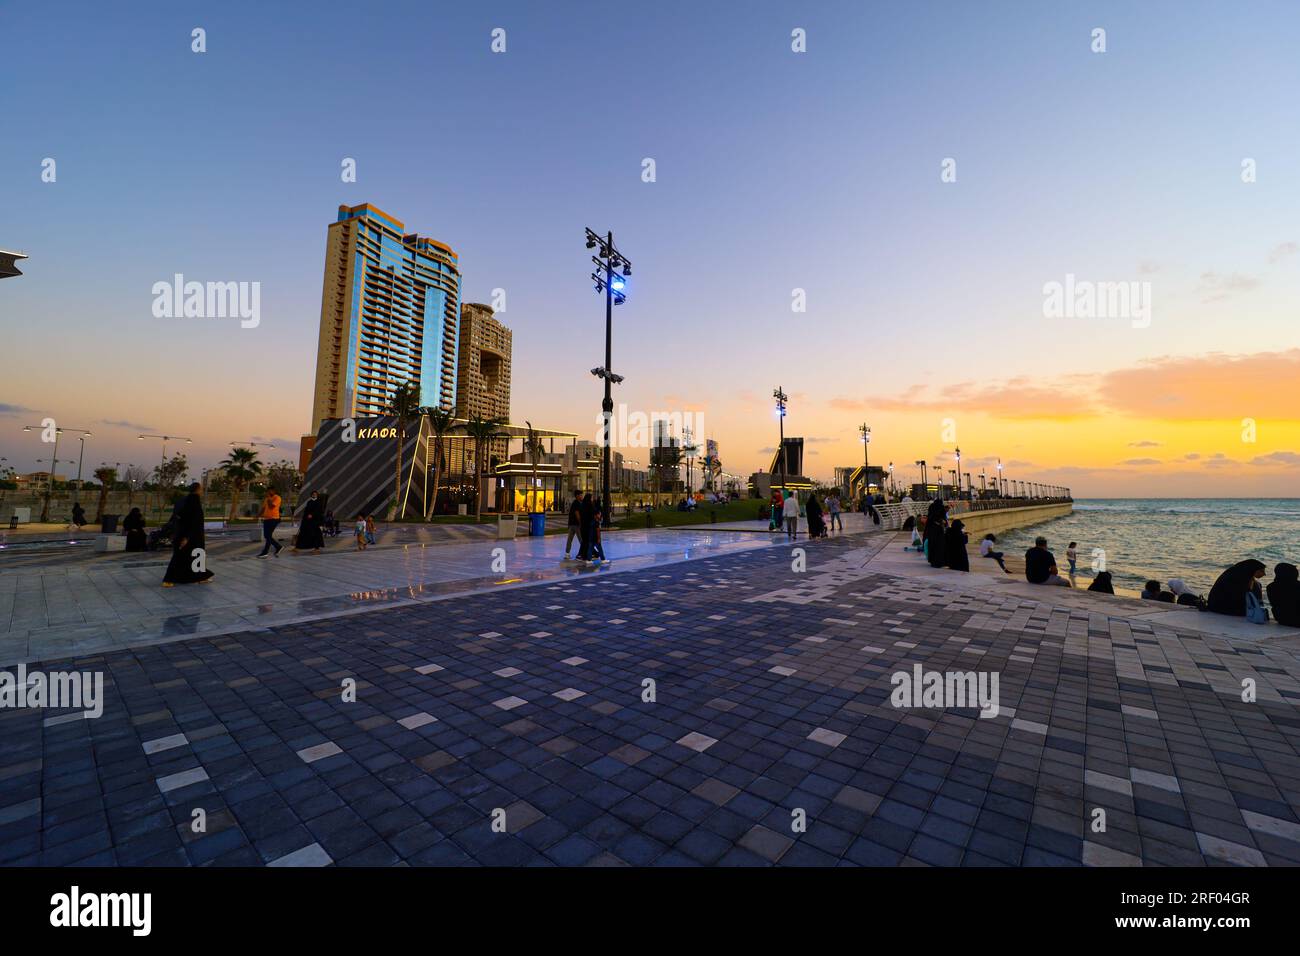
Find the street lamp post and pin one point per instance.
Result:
(892, 490)
(865, 430)
(925, 484)
(958, 454)
(1001, 489)
(781, 399)
(607, 260)
(54, 462)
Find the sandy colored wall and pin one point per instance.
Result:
(979, 523)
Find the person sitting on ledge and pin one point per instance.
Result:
(1040, 565)
(1183, 595)
(986, 550)
(1151, 592)
(1102, 584)
(1284, 594)
(1228, 596)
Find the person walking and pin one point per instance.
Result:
(360, 531)
(311, 536)
(133, 525)
(790, 511)
(189, 555)
(586, 531)
(371, 531)
(270, 515)
(833, 506)
(575, 521)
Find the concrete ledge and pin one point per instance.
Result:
(110, 542)
(979, 523)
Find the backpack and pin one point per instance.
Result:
(1256, 613)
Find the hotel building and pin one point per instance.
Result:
(390, 306)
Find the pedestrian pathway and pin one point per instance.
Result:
(737, 709)
(79, 609)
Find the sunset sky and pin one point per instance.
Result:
(775, 171)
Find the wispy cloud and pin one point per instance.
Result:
(7, 409)
(1144, 444)
(1140, 461)
(1277, 458)
(1282, 250)
(123, 423)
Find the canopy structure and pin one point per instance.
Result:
(9, 263)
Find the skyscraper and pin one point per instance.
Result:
(389, 314)
(483, 369)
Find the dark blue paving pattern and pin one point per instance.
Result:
(457, 716)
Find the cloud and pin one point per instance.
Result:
(1277, 458)
(1208, 387)
(122, 423)
(7, 409)
(1146, 267)
(1018, 398)
(1144, 444)
(1218, 460)
(1217, 288)
(1282, 250)
(1191, 456)
(1140, 461)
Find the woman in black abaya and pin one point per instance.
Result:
(1228, 596)
(133, 525)
(189, 555)
(1284, 594)
(311, 532)
(954, 547)
(936, 527)
(816, 524)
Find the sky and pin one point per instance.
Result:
(1170, 162)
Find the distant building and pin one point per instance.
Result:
(390, 311)
(483, 365)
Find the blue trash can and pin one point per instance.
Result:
(536, 524)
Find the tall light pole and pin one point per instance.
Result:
(54, 462)
(690, 449)
(608, 259)
(165, 439)
(865, 430)
(925, 484)
(958, 453)
(781, 398)
(1002, 489)
(892, 490)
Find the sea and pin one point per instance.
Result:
(1162, 538)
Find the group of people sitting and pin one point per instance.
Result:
(1239, 593)
(943, 542)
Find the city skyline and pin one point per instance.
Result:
(926, 301)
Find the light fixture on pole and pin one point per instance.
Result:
(54, 460)
(781, 399)
(865, 431)
(612, 270)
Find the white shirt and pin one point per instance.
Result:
(985, 547)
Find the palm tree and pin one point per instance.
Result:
(241, 467)
(404, 405)
(441, 423)
(482, 430)
(105, 475)
(534, 449)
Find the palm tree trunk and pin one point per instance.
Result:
(234, 502)
(397, 471)
(103, 498)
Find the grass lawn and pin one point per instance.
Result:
(745, 509)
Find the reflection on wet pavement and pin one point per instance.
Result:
(67, 611)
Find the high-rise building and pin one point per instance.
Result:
(483, 367)
(389, 314)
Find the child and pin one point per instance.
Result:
(370, 529)
(361, 532)
(1072, 555)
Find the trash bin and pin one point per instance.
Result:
(536, 524)
(108, 524)
(507, 526)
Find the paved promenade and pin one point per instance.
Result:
(723, 710)
(118, 601)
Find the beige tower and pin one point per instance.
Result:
(483, 365)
